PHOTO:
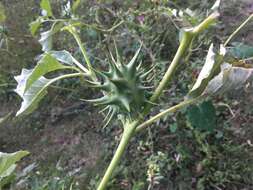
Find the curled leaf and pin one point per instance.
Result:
(209, 70)
(46, 39)
(32, 84)
(35, 25)
(8, 164)
(230, 78)
(37, 90)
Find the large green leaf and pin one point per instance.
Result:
(229, 78)
(46, 8)
(210, 68)
(45, 65)
(241, 50)
(203, 116)
(8, 164)
(32, 84)
(33, 94)
(37, 90)
(46, 39)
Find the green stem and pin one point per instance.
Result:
(167, 111)
(238, 29)
(130, 129)
(127, 134)
(73, 31)
(187, 38)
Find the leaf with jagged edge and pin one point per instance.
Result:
(230, 78)
(46, 8)
(32, 83)
(210, 68)
(202, 116)
(46, 39)
(8, 164)
(37, 90)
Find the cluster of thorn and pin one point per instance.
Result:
(123, 88)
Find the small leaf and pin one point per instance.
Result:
(230, 78)
(210, 68)
(46, 8)
(32, 96)
(75, 5)
(241, 50)
(46, 39)
(7, 162)
(203, 116)
(173, 128)
(35, 25)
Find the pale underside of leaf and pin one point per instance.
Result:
(212, 64)
(46, 39)
(230, 78)
(7, 162)
(45, 65)
(37, 90)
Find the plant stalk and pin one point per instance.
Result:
(127, 134)
(186, 41)
(130, 129)
(73, 31)
(172, 109)
(238, 29)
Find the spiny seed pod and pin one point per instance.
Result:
(123, 88)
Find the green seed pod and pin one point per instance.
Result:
(123, 89)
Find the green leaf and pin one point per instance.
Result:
(8, 164)
(173, 128)
(203, 116)
(46, 39)
(75, 5)
(63, 56)
(46, 8)
(32, 84)
(230, 78)
(45, 65)
(2, 13)
(241, 50)
(35, 25)
(210, 68)
(37, 90)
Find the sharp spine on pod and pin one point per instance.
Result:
(124, 92)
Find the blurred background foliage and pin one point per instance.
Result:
(207, 146)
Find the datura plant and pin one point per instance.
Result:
(124, 92)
